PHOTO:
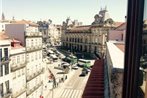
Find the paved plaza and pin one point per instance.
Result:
(72, 87)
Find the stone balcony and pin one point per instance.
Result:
(33, 48)
(6, 95)
(18, 66)
(33, 34)
(18, 93)
(4, 61)
(30, 91)
(34, 75)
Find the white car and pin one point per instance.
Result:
(75, 67)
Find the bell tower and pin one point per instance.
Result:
(3, 16)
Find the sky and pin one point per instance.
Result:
(58, 10)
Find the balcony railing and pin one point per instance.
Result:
(34, 88)
(33, 34)
(33, 48)
(4, 60)
(32, 76)
(19, 93)
(6, 95)
(18, 66)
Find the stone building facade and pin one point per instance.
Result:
(88, 38)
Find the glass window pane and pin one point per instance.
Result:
(142, 90)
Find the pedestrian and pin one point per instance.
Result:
(57, 84)
(62, 79)
(66, 77)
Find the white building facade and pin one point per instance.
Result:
(18, 69)
(54, 32)
(5, 73)
(31, 39)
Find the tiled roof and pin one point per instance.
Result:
(85, 28)
(116, 24)
(14, 40)
(25, 22)
(15, 44)
(121, 27)
(95, 85)
(3, 36)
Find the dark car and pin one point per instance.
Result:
(84, 72)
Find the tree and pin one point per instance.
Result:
(50, 21)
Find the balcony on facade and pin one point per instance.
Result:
(33, 48)
(7, 94)
(30, 91)
(18, 66)
(34, 75)
(4, 61)
(18, 93)
(33, 34)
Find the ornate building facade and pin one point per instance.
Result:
(89, 38)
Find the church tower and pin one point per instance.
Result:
(3, 16)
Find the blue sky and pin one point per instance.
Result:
(59, 10)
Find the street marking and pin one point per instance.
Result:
(80, 94)
(70, 93)
(64, 93)
(62, 90)
(74, 94)
(67, 93)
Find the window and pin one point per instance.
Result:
(1, 70)
(23, 71)
(1, 89)
(23, 57)
(36, 56)
(7, 86)
(32, 43)
(134, 74)
(0, 55)
(14, 74)
(28, 59)
(18, 59)
(6, 53)
(32, 56)
(6, 69)
(143, 59)
(36, 42)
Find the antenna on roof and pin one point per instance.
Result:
(13, 18)
(106, 7)
(101, 9)
(3, 16)
(1, 8)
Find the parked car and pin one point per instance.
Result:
(83, 73)
(75, 67)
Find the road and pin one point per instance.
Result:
(73, 88)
